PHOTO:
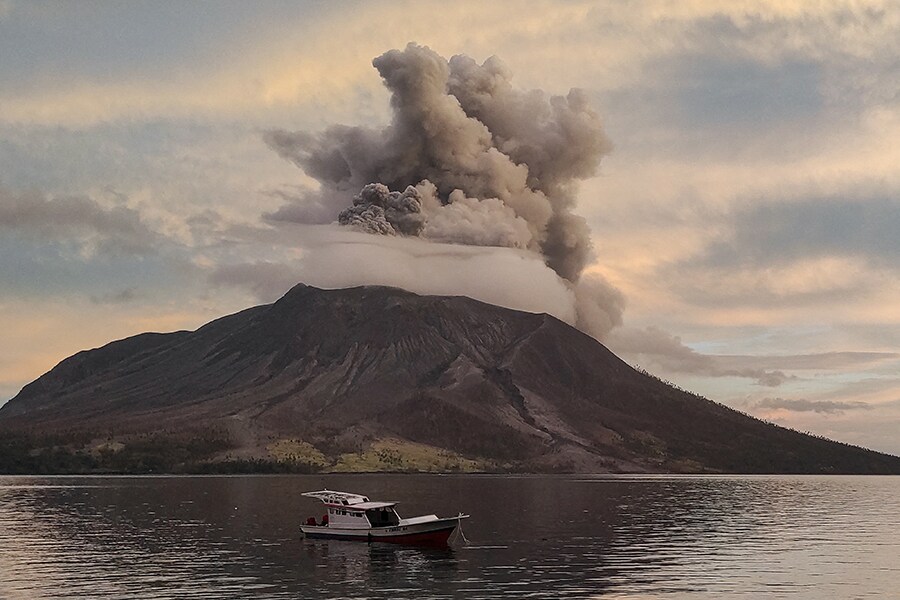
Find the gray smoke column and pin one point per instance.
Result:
(464, 128)
(466, 159)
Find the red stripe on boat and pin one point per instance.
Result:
(437, 537)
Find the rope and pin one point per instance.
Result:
(460, 534)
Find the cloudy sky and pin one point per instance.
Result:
(746, 216)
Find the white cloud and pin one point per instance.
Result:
(333, 257)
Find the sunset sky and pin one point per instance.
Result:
(748, 212)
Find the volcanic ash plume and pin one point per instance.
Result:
(467, 159)
(376, 209)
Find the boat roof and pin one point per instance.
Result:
(371, 505)
(355, 501)
(333, 497)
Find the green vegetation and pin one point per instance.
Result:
(733, 447)
(79, 452)
(298, 453)
(30, 455)
(207, 453)
(391, 454)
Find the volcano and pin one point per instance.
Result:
(375, 378)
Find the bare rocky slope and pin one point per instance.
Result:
(379, 375)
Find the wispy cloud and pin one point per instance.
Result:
(332, 257)
(775, 253)
(821, 361)
(767, 232)
(119, 297)
(77, 219)
(267, 281)
(819, 406)
(656, 349)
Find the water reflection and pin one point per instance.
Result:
(673, 537)
(385, 566)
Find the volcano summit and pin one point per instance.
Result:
(374, 378)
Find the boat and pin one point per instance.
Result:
(354, 517)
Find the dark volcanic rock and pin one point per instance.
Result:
(341, 368)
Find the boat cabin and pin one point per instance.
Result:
(352, 511)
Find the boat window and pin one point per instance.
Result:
(382, 517)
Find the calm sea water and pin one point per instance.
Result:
(528, 537)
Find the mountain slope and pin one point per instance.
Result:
(334, 371)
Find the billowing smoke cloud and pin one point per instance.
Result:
(376, 209)
(466, 159)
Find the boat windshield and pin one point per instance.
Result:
(383, 517)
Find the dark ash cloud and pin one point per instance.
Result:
(464, 130)
(378, 210)
(467, 159)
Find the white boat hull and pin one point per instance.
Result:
(411, 531)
